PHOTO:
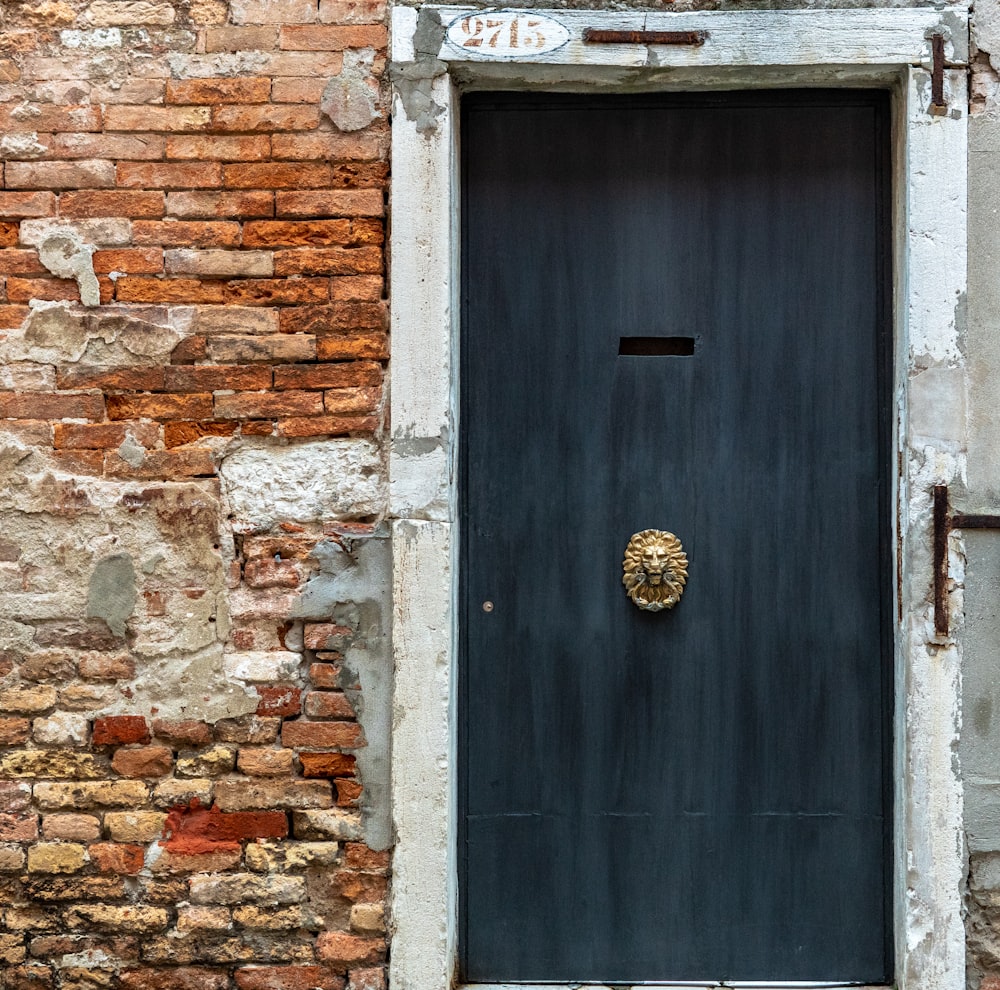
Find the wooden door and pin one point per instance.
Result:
(675, 315)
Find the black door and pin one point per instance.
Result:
(675, 316)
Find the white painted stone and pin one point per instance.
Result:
(937, 405)
(420, 482)
(263, 666)
(328, 479)
(61, 729)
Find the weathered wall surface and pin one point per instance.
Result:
(193, 571)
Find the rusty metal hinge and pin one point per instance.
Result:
(944, 522)
(938, 106)
(601, 37)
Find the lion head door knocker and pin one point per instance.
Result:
(655, 569)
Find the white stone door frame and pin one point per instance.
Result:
(889, 48)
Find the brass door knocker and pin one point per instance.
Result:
(655, 568)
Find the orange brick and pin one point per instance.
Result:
(79, 461)
(13, 316)
(22, 290)
(167, 290)
(342, 950)
(21, 262)
(186, 233)
(13, 732)
(288, 978)
(367, 230)
(105, 667)
(147, 761)
(352, 400)
(205, 378)
(117, 857)
(296, 89)
(312, 376)
(113, 203)
(150, 118)
(260, 405)
(325, 675)
(340, 316)
(157, 175)
(132, 261)
(226, 204)
(321, 734)
(268, 117)
(94, 174)
(20, 116)
(243, 349)
(330, 203)
(123, 379)
(330, 145)
(225, 147)
(327, 764)
(328, 261)
(113, 146)
(265, 762)
(177, 434)
(357, 288)
(330, 38)
(351, 11)
(195, 462)
(161, 407)
(296, 233)
(326, 426)
(189, 732)
(359, 175)
(10, 232)
(100, 436)
(349, 346)
(257, 429)
(276, 291)
(348, 792)
(248, 89)
(16, 205)
(277, 176)
(328, 704)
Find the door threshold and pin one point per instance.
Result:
(680, 985)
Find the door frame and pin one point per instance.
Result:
(888, 48)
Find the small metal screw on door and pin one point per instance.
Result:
(487, 606)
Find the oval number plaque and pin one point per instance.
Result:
(506, 34)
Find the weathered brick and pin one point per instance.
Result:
(123, 379)
(169, 175)
(241, 795)
(152, 118)
(342, 949)
(109, 146)
(14, 731)
(226, 205)
(18, 205)
(21, 262)
(296, 233)
(202, 378)
(215, 263)
(78, 828)
(253, 729)
(327, 376)
(189, 234)
(211, 762)
(325, 635)
(235, 39)
(176, 434)
(60, 175)
(49, 889)
(368, 918)
(297, 90)
(224, 147)
(41, 405)
(50, 764)
(106, 667)
(147, 761)
(56, 857)
(265, 118)
(328, 261)
(212, 92)
(328, 704)
(269, 573)
(288, 978)
(127, 13)
(320, 426)
(332, 38)
(363, 146)
(275, 175)
(112, 203)
(138, 289)
(27, 700)
(120, 730)
(265, 762)
(132, 261)
(134, 826)
(330, 203)
(276, 291)
(348, 792)
(352, 400)
(236, 888)
(88, 794)
(352, 11)
(251, 405)
(268, 918)
(272, 11)
(12, 316)
(160, 407)
(115, 857)
(110, 917)
(186, 731)
(14, 795)
(174, 978)
(336, 318)
(322, 734)
(327, 764)
(279, 699)
(18, 828)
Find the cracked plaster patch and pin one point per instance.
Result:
(64, 253)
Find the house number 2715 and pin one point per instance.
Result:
(506, 34)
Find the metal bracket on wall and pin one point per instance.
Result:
(938, 106)
(944, 523)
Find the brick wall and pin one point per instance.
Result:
(192, 568)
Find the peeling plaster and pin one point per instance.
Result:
(414, 80)
(349, 99)
(64, 253)
(111, 595)
(353, 588)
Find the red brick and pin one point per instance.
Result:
(21, 262)
(177, 434)
(46, 405)
(276, 291)
(205, 378)
(124, 379)
(16, 205)
(279, 699)
(297, 89)
(330, 146)
(333, 38)
(326, 426)
(12, 317)
(312, 376)
(174, 978)
(247, 89)
(188, 732)
(170, 175)
(99, 436)
(132, 261)
(159, 406)
(348, 792)
(84, 174)
(122, 117)
(259, 405)
(196, 462)
(149, 761)
(18, 828)
(40, 117)
(188, 291)
(271, 175)
(325, 675)
(225, 205)
(288, 978)
(189, 350)
(79, 461)
(110, 146)
(22, 290)
(328, 704)
(360, 175)
(112, 203)
(189, 234)
(328, 261)
(341, 949)
(337, 317)
(116, 857)
(295, 233)
(119, 730)
(327, 764)
(321, 734)
(371, 344)
(14, 731)
(330, 203)
(325, 635)
(265, 118)
(193, 828)
(224, 147)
